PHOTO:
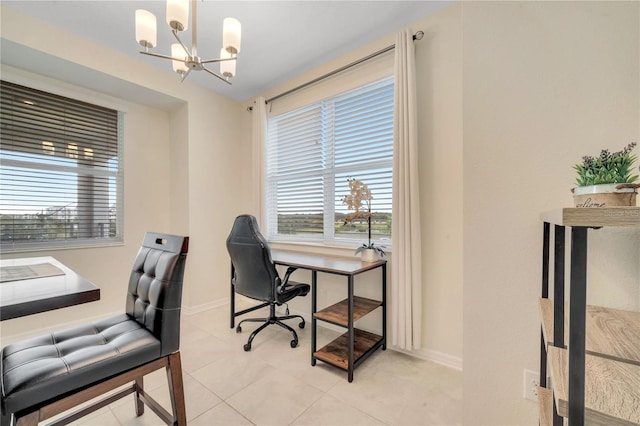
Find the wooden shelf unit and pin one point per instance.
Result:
(336, 352)
(350, 349)
(596, 357)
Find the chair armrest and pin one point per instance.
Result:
(287, 274)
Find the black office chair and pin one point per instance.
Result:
(255, 276)
(47, 375)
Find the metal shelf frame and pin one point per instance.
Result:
(577, 312)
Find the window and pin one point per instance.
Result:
(311, 154)
(60, 176)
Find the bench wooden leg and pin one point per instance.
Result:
(139, 404)
(176, 389)
(30, 419)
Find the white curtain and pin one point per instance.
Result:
(406, 271)
(259, 137)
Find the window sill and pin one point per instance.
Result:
(53, 247)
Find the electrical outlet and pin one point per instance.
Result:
(531, 383)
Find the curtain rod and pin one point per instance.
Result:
(416, 36)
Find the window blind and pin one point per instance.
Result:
(60, 180)
(311, 153)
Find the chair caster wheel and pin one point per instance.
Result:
(301, 325)
(247, 347)
(238, 329)
(294, 343)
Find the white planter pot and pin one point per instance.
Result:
(607, 195)
(369, 255)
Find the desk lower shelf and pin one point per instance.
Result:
(336, 353)
(612, 389)
(339, 313)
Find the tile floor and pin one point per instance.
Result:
(274, 384)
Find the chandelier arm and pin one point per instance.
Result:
(159, 55)
(216, 75)
(208, 61)
(185, 75)
(186, 49)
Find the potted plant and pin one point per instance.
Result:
(607, 180)
(359, 200)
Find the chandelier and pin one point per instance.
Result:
(185, 60)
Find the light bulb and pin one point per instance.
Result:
(145, 28)
(178, 14)
(231, 32)
(177, 51)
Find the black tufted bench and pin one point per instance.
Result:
(49, 374)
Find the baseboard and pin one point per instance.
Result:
(433, 356)
(192, 310)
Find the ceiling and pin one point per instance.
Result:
(280, 39)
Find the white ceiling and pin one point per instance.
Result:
(280, 39)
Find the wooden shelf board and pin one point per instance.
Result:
(338, 313)
(612, 389)
(611, 333)
(594, 217)
(545, 406)
(546, 320)
(336, 353)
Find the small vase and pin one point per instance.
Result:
(369, 255)
(608, 195)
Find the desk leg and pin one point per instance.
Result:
(232, 299)
(384, 306)
(350, 332)
(314, 304)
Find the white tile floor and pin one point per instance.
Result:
(274, 384)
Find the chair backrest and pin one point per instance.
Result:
(154, 297)
(255, 275)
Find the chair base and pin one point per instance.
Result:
(272, 319)
(171, 363)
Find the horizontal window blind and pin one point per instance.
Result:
(60, 180)
(312, 152)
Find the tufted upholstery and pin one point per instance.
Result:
(38, 370)
(256, 276)
(154, 295)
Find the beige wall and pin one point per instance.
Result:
(218, 193)
(439, 70)
(544, 84)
